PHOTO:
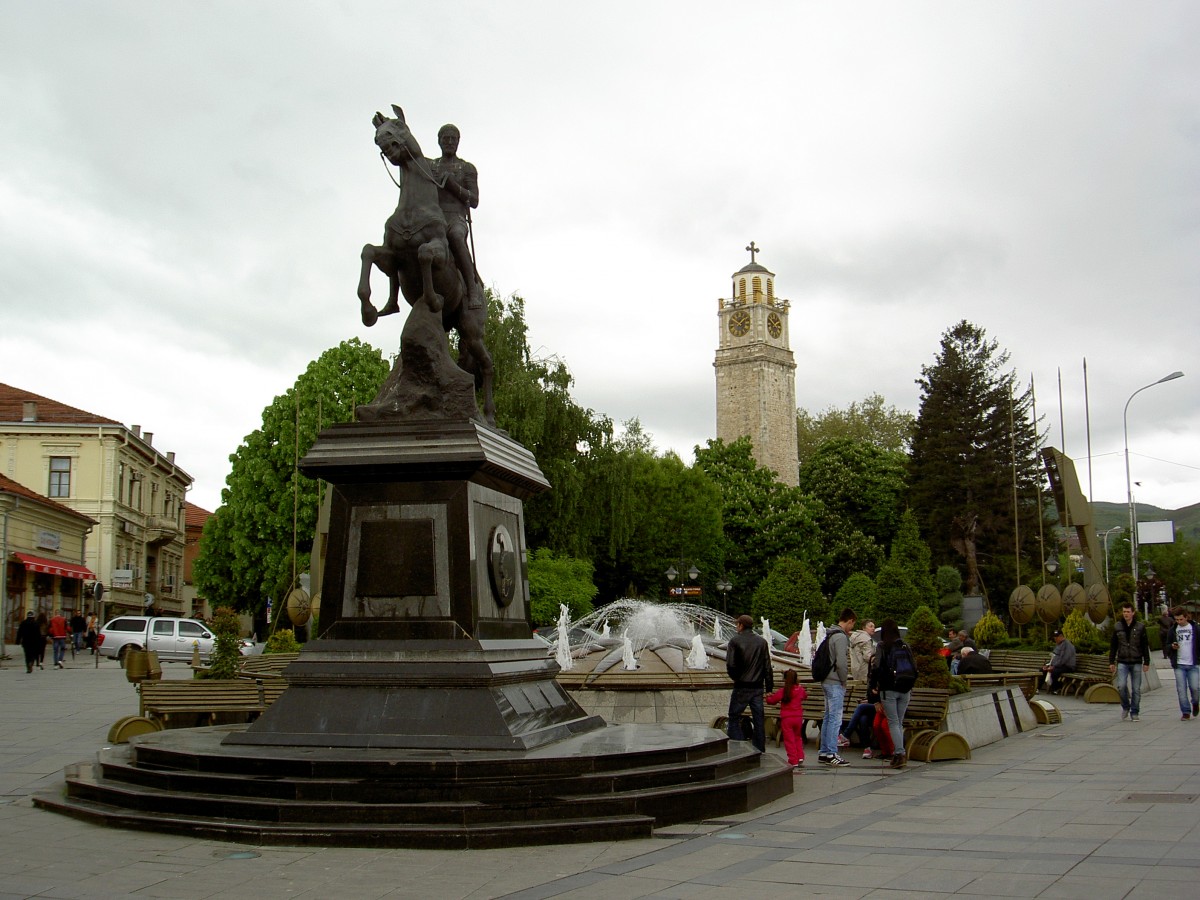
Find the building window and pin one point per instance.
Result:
(60, 476)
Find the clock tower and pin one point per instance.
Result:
(756, 373)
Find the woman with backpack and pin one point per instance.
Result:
(893, 676)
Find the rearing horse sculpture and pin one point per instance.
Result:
(415, 256)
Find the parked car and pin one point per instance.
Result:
(170, 637)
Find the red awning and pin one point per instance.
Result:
(55, 567)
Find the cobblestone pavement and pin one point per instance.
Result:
(1093, 808)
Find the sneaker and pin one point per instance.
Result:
(60, 665)
(867, 753)
(1184, 717)
(1133, 717)
(1195, 709)
(899, 761)
(843, 741)
(1124, 714)
(835, 761)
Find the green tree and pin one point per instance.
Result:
(948, 582)
(534, 405)
(973, 437)
(859, 483)
(246, 549)
(870, 421)
(898, 597)
(762, 519)
(860, 594)
(668, 514)
(224, 660)
(784, 595)
(555, 579)
(912, 554)
(925, 639)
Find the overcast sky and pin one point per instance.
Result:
(185, 189)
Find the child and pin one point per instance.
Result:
(790, 699)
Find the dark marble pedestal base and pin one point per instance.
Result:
(617, 782)
(452, 695)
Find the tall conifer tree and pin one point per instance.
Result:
(973, 430)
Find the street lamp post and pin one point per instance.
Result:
(1133, 545)
(672, 573)
(1105, 537)
(724, 586)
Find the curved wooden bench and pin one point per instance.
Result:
(1090, 670)
(202, 701)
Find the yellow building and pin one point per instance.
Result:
(114, 476)
(41, 556)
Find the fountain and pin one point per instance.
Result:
(638, 661)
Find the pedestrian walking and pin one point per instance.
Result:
(1129, 657)
(1181, 651)
(29, 636)
(59, 633)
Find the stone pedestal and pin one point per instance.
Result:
(425, 639)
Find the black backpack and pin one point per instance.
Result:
(822, 661)
(904, 668)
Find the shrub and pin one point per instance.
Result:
(898, 597)
(989, 631)
(925, 639)
(225, 656)
(860, 594)
(282, 641)
(1086, 637)
(948, 582)
(784, 595)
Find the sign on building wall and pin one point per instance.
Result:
(48, 540)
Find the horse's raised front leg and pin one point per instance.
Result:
(370, 254)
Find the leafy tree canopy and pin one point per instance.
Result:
(762, 519)
(557, 579)
(860, 594)
(246, 550)
(784, 595)
(871, 421)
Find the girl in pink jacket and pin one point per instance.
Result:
(790, 699)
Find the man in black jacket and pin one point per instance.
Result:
(1130, 648)
(748, 662)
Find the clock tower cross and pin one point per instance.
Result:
(756, 372)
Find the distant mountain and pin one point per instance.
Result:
(1187, 519)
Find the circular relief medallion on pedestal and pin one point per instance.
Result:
(502, 565)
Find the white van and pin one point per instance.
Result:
(170, 637)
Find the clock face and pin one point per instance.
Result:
(774, 325)
(739, 323)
